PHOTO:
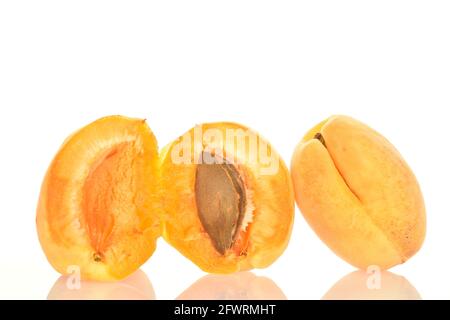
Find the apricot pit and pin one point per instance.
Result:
(225, 212)
(221, 202)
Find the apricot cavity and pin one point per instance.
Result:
(228, 200)
(358, 194)
(98, 207)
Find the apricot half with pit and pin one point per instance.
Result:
(98, 207)
(358, 194)
(228, 198)
(134, 287)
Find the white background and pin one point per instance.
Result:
(279, 67)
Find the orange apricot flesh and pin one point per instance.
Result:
(358, 194)
(98, 206)
(227, 217)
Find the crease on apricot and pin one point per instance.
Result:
(349, 145)
(321, 129)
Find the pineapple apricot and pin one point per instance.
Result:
(98, 207)
(358, 194)
(228, 200)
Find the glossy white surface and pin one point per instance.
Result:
(277, 67)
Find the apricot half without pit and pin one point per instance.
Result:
(358, 194)
(228, 198)
(98, 207)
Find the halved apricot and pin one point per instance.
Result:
(228, 198)
(98, 207)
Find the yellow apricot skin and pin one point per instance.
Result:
(358, 194)
(273, 206)
(98, 207)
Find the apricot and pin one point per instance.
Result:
(358, 194)
(228, 198)
(135, 287)
(359, 286)
(98, 206)
(238, 286)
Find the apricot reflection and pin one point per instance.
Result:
(135, 287)
(359, 285)
(239, 286)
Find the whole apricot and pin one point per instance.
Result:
(358, 194)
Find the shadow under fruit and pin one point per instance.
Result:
(238, 286)
(226, 216)
(357, 286)
(135, 287)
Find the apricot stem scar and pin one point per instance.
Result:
(320, 137)
(98, 257)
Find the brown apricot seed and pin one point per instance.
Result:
(220, 198)
(228, 202)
